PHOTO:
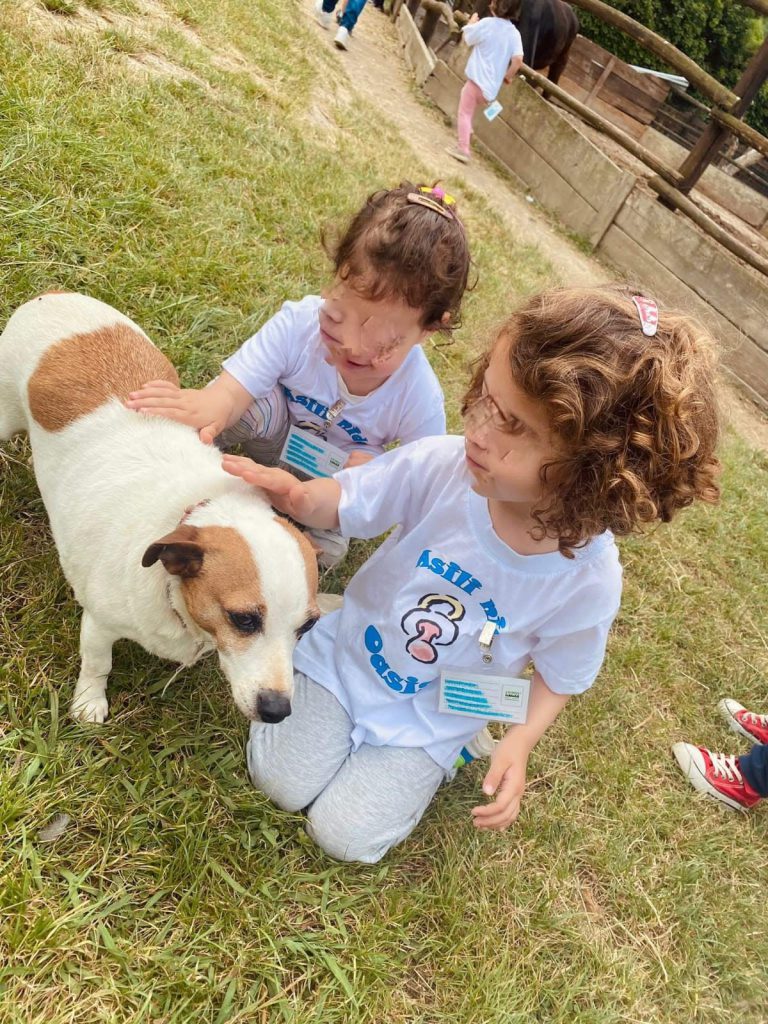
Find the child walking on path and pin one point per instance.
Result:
(351, 11)
(497, 53)
(591, 416)
(737, 782)
(347, 365)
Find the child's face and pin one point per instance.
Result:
(507, 437)
(366, 340)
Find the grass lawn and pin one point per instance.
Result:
(179, 160)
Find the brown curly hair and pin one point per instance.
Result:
(394, 247)
(636, 417)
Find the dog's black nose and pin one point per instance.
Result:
(272, 706)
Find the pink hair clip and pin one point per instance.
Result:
(648, 312)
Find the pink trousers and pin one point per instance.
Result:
(471, 96)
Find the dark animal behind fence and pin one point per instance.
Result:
(548, 29)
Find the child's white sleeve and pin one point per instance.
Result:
(569, 648)
(425, 418)
(432, 426)
(472, 34)
(271, 353)
(388, 490)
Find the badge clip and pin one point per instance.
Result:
(334, 412)
(487, 634)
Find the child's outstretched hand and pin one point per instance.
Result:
(505, 779)
(285, 492)
(203, 410)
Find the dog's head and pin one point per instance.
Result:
(250, 584)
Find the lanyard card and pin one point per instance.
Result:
(311, 454)
(493, 110)
(483, 695)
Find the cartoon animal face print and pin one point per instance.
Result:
(433, 623)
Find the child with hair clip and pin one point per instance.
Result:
(347, 365)
(592, 416)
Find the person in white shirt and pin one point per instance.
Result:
(497, 53)
(347, 365)
(592, 415)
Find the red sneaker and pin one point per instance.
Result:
(716, 775)
(752, 726)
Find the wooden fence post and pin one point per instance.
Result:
(715, 134)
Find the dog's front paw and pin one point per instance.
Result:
(90, 706)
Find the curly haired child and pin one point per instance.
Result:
(592, 416)
(347, 365)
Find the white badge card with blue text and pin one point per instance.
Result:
(493, 110)
(484, 695)
(311, 454)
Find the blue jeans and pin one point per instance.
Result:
(352, 13)
(754, 768)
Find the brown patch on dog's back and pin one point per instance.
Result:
(308, 553)
(79, 373)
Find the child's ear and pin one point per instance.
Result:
(443, 322)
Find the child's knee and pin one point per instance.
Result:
(345, 837)
(346, 840)
(270, 780)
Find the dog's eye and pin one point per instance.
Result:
(305, 628)
(246, 622)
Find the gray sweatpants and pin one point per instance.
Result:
(361, 803)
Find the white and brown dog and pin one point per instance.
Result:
(159, 545)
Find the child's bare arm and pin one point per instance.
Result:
(210, 410)
(514, 66)
(509, 762)
(314, 503)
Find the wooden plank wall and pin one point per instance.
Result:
(661, 250)
(612, 88)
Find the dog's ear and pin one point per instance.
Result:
(179, 552)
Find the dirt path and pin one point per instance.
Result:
(378, 73)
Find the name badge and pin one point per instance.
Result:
(484, 695)
(306, 451)
(493, 110)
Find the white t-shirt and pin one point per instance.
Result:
(420, 602)
(288, 350)
(494, 42)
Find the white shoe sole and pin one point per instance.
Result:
(687, 757)
(727, 709)
(461, 157)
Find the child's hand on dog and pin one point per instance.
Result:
(209, 410)
(314, 503)
(162, 398)
(284, 491)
